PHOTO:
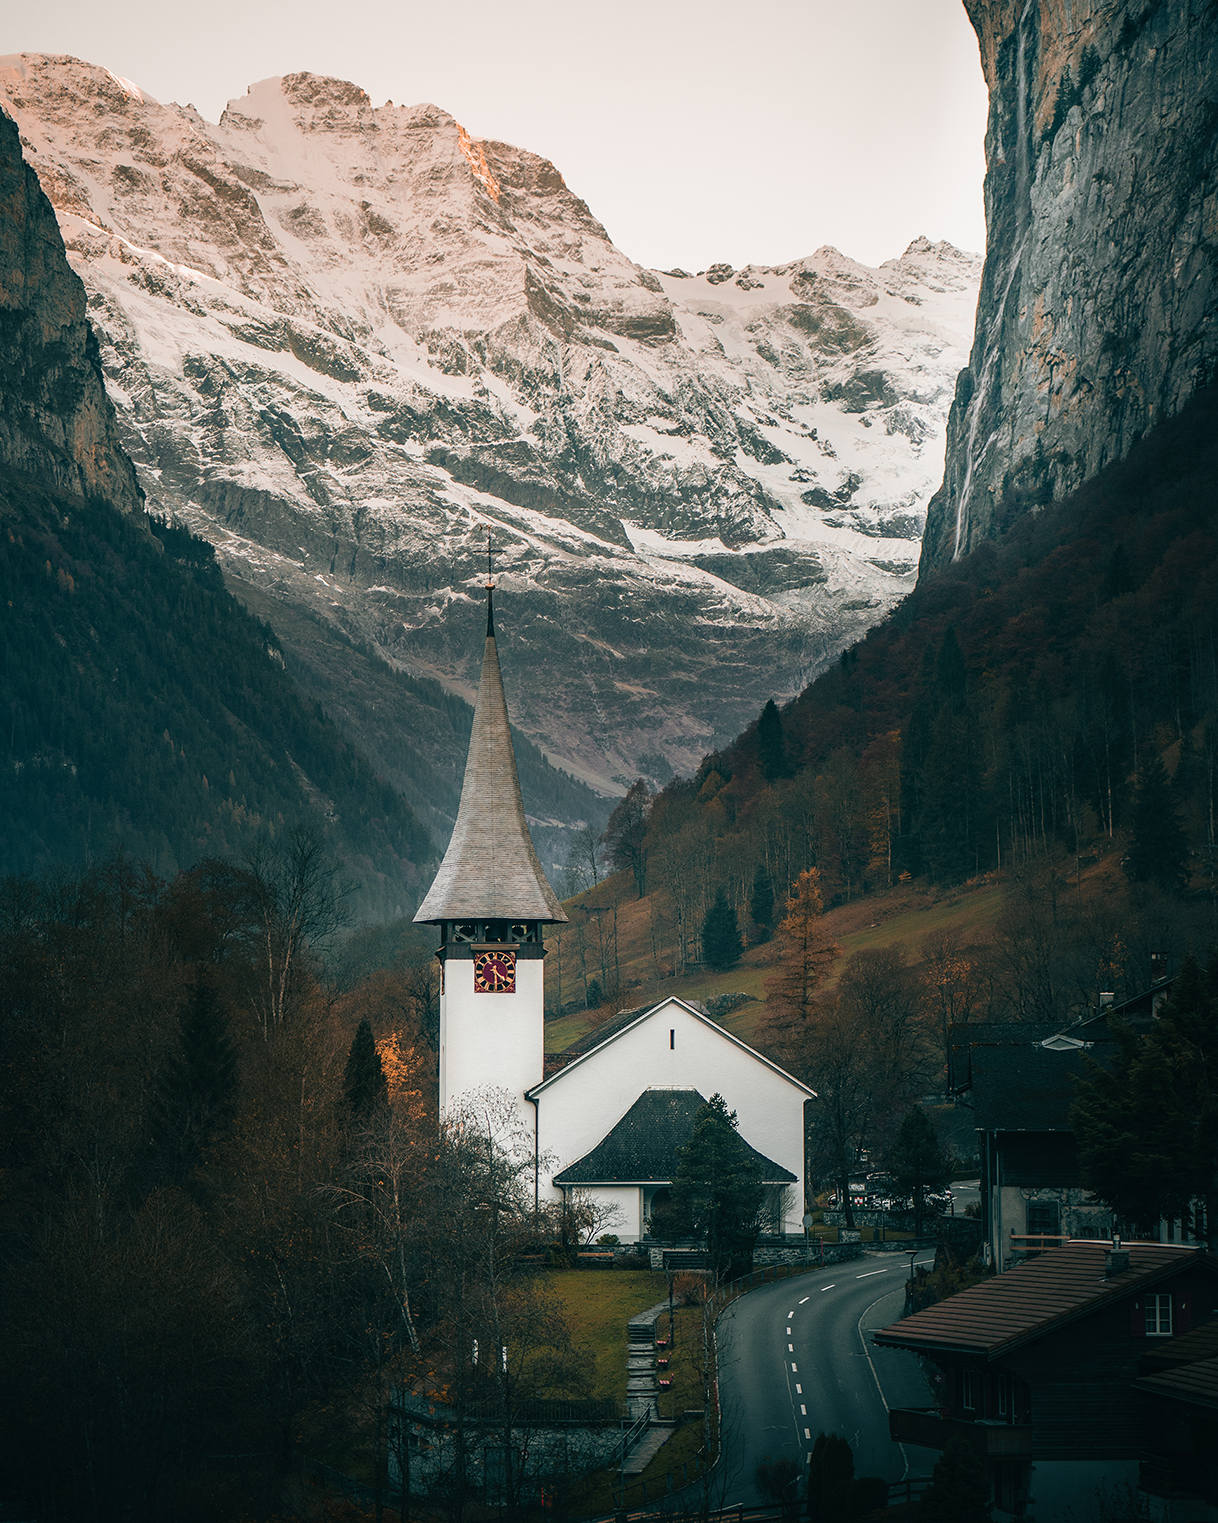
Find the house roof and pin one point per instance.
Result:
(1033, 1299)
(1024, 1088)
(1195, 1383)
(490, 870)
(642, 1148)
(626, 1020)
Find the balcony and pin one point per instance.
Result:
(989, 1438)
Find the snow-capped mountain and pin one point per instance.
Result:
(344, 342)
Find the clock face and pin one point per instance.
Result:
(495, 973)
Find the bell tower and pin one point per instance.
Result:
(490, 899)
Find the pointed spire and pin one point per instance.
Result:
(490, 870)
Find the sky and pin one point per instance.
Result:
(697, 131)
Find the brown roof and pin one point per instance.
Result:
(1188, 1348)
(1026, 1302)
(490, 870)
(1196, 1383)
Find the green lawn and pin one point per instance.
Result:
(598, 1303)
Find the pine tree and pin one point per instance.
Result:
(771, 743)
(364, 1079)
(830, 1472)
(761, 903)
(716, 1192)
(1159, 852)
(625, 837)
(197, 1094)
(917, 1163)
(721, 934)
(959, 1491)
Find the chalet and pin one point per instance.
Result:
(1020, 1080)
(1041, 1369)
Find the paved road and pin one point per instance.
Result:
(793, 1362)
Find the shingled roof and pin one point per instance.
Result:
(1030, 1300)
(1196, 1384)
(490, 870)
(642, 1148)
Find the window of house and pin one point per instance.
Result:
(1004, 1395)
(1044, 1218)
(1158, 1316)
(968, 1390)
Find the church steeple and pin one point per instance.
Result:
(490, 871)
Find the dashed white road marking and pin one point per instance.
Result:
(794, 1371)
(790, 1348)
(803, 1411)
(802, 1302)
(827, 1287)
(807, 1433)
(799, 1390)
(870, 1272)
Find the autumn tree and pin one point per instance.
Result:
(805, 955)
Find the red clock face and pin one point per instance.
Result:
(495, 973)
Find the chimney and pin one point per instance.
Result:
(1107, 997)
(1116, 1259)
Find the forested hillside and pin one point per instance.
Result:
(1016, 706)
(144, 709)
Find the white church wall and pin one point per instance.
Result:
(626, 1202)
(491, 1039)
(674, 1048)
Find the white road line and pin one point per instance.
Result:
(790, 1314)
(827, 1287)
(790, 1348)
(788, 1329)
(802, 1302)
(803, 1411)
(870, 1272)
(799, 1390)
(807, 1432)
(794, 1370)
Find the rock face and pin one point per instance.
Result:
(345, 342)
(56, 421)
(1096, 313)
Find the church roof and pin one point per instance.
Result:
(642, 1148)
(490, 870)
(586, 1048)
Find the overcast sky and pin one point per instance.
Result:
(696, 130)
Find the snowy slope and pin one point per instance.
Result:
(345, 341)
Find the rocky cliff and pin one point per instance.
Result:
(1096, 317)
(346, 340)
(56, 421)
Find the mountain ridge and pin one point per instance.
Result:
(344, 340)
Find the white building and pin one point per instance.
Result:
(610, 1121)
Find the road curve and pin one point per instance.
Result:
(795, 1358)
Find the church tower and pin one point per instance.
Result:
(490, 899)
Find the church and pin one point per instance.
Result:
(609, 1122)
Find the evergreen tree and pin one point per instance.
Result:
(717, 1194)
(197, 1094)
(771, 743)
(959, 1491)
(761, 903)
(830, 1472)
(721, 934)
(1159, 852)
(364, 1078)
(1147, 1125)
(917, 1163)
(625, 837)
